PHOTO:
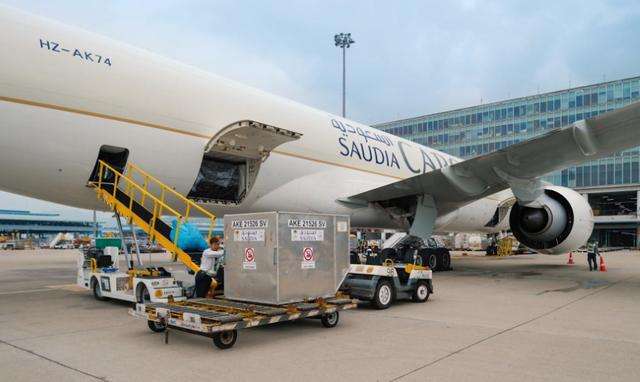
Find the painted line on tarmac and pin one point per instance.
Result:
(27, 291)
(53, 361)
(49, 288)
(71, 332)
(69, 287)
(460, 350)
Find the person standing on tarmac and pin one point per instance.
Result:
(592, 252)
(210, 267)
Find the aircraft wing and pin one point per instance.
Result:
(518, 166)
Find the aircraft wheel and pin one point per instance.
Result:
(432, 261)
(446, 261)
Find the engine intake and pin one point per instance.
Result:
(562, 224)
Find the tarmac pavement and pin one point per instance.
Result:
(525, 317)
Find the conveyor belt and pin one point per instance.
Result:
(163, 228)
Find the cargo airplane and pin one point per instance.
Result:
(69, 97)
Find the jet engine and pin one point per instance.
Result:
(563, 223)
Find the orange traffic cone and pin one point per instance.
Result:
(603, 266)
(570, 262)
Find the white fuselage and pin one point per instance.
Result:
(65, 92)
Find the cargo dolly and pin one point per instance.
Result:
(220, 318)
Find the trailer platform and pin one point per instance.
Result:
(220, 318)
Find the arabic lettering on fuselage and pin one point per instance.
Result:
(366, 134)
(374, 147)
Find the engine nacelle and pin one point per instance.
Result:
(563, 224)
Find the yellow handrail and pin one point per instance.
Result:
(129, 181)
(134, 168)
(160, 204)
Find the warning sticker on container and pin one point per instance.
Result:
(307, 235)
(308, 258)
(249, 261)
(248, 235)
(307, 223)
(250, 223)
(342, 227)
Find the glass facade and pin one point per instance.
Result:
(482, 129)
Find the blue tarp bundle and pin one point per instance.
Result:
(190, 238)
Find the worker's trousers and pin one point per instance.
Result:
(203, 283)
(591, 257)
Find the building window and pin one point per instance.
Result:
(587, 175)
(626, 176)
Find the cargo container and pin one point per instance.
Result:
(284, 257)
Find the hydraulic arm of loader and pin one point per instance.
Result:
(146, 201)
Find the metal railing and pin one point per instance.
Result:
(159, 204)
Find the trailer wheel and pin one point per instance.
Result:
(330, 320)
(225, 339)
(97, 291)
(383, 297)
(421, 293)
(156, 327)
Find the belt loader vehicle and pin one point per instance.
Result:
(98, 271)
(148, 203)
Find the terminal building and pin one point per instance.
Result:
(612, 184)
(19, 222)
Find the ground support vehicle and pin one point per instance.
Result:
(404, 248)
(149, 204)
(96, 272)
(383, 284)
(220, 318)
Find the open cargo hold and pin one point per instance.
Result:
(284, 257)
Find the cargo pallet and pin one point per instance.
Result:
(220, 319)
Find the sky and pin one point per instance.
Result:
(409, 58)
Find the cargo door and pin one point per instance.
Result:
(112, 155)
(232, 159)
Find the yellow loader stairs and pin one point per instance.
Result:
(146, 201)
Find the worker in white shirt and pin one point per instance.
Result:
(210, 267)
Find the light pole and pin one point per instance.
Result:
(343, 40)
